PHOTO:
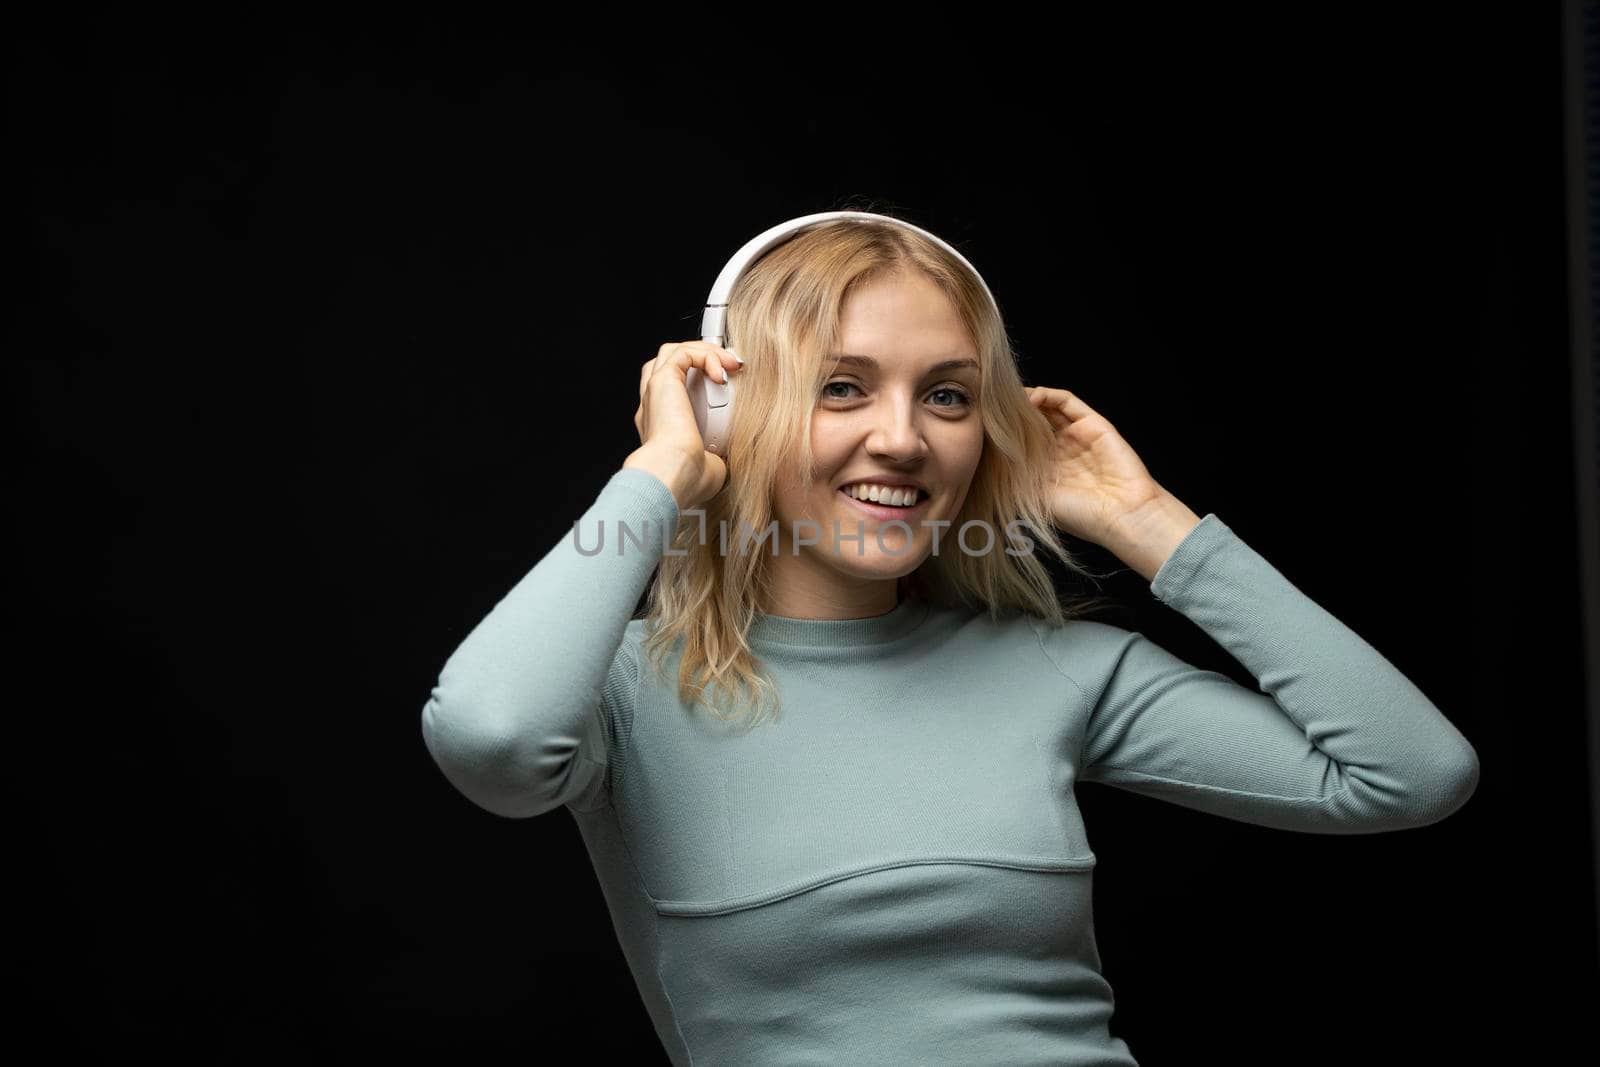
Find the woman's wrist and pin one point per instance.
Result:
(671, 467)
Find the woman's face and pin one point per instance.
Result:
(901, 417)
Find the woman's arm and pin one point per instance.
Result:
(1337, 741)
(522, 718)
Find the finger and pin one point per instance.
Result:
(1054, 416)
(695, 355)
(1065, 401)
(708, 358)
(718, 356)
(655, 363)
(1039, 397)
(725, 360)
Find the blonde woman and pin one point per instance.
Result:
(827, 780)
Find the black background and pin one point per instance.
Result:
(329, 331)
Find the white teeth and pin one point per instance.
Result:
(882, 494)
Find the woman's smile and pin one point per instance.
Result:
(885, 512)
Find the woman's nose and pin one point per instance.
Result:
(896, 433)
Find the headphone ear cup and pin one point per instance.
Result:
(712, 402)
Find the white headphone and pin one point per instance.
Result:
(713, 400)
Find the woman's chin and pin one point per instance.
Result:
(878, 563)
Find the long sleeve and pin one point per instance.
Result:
(522, 719)
(1336, 741)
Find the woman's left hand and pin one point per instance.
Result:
(1100, 483)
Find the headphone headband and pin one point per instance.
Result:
(713, 324)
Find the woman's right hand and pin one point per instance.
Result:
(670, 445)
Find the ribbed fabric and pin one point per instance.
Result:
(894, 870)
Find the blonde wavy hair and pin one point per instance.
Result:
(783, 319)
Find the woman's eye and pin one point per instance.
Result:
(960, 396)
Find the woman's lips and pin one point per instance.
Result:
(883, 512)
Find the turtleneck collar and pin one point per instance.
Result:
(839, 633)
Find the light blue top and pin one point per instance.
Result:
(894, 870)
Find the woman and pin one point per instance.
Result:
(893, 868)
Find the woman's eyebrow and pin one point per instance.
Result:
(949, 364)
